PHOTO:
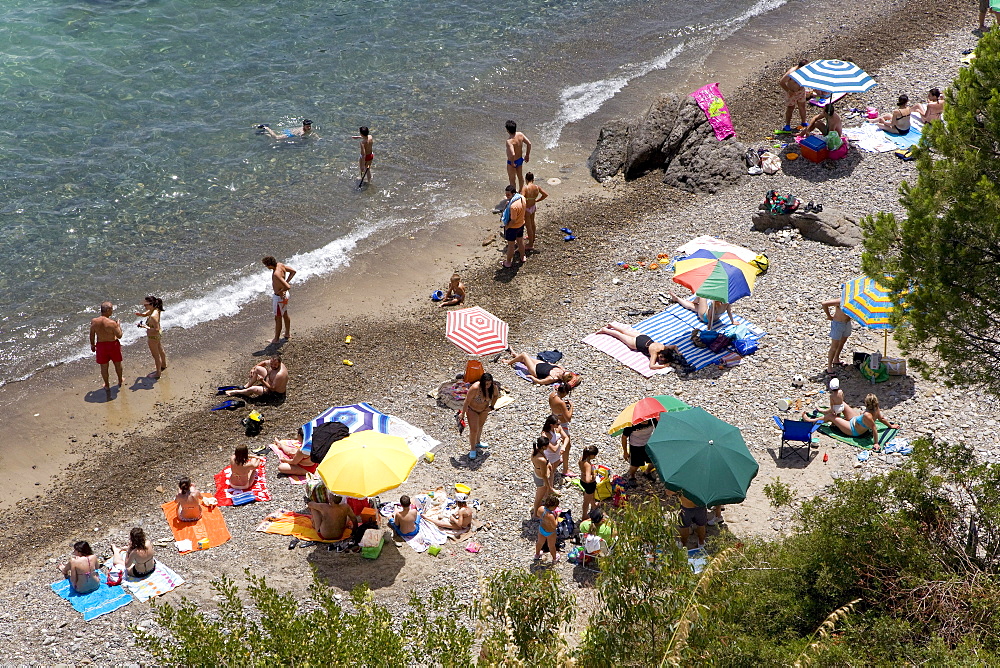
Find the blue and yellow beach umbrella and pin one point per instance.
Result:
(717, 275)
(869, 304)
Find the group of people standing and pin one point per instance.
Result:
(105, 339)
(518, 217)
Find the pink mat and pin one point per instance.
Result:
(622, 353)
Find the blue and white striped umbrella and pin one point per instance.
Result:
(356, 417)
(834, 76)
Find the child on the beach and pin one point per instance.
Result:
(455, 294)
(547, 527)
(588, 480)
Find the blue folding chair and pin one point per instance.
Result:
(798, 432)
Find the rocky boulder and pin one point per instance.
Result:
(829, 226)
(674, 136)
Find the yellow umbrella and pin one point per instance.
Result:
(366, 463)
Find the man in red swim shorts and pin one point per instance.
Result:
(104, 335)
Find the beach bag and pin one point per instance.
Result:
(905, 154)
(253, 424)
(770, 163)
(566, 527)
(879, 374)
(323, 437)
(752, 158)
(896, 365)
(720, 343)
(761, 264)
(604, 490)
(473, 371)
(243, 498)
(745, 346)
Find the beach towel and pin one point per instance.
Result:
(212, 526)
(864, 441)
(710, 99)
(224, 493)
(286, 523)
(159, 582)
(869, 138)
(99, 602)
(670, 327)
(911, 138)
(427, 535)
(419, 441)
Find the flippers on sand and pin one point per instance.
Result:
(230, 405)
(223, 390)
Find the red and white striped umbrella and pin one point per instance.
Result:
(476, 331)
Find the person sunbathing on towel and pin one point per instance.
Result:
(406, 522)
(542, 373)
(270, 378)
(660, 356)
(292, 461)
(461, 519)
(855, 422)
(707, 310)
(330, 519)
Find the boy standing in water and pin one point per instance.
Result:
(367, 155)
(515, 140)
(281, 274)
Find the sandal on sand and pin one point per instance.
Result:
(566, 230)
(306, 543)
(293, 543)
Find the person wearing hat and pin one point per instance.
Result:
(837, 408)
(461, 519)
(290, 133)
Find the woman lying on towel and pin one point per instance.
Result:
(854, 422)
(707, 310)
(660, 356)
(542, 373)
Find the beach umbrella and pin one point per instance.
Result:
(366, 463)
(869, 304)
(357, 417)
(703, 456)
(716, 275)
(715, 244)
(644, 409)
(476, 331)
(834, 76)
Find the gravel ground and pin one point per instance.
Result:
(566, 291)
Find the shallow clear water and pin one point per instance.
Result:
(131, 164)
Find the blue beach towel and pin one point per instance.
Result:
(911, 138)
(99, 602)
(674, 326)
(505, 216)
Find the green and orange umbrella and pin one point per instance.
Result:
(716, 275)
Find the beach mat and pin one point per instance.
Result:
(286, 523)
(911, 138)
(159, 582)
(99, 602)
(630, 358)
(212, 526)
(224, 493)
(864, 441)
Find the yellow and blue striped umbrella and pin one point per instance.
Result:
(867, 303)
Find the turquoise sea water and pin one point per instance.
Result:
(131, 164)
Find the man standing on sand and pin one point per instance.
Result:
(281, 275)
(513, 226)
(367, 154)
(104, 340)
(515, 142)
(533, 194)
(795, 96)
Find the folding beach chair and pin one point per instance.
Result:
(594, 547)
(798, 432)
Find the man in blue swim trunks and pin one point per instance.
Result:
(406, 522)
(516, 142)
(291, 133)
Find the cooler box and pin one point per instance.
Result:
(369, 514)
(814, 149)
(373, 552)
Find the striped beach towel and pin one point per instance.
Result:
(99, 602)
(160, 581)
(672, 326)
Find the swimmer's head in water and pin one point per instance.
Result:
(306, 123)
(363, 130)
(511, 126)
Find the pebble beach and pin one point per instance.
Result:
(566, 291)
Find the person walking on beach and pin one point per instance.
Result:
(367, 154)
(513, 226)
(479, 401)
(516, 143)
(795, 96)
(281, 276)
(561, 406)
(104, 342)
(290, 133)
(840, 331)
(533, 194)
(154, 307)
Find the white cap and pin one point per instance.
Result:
(459, 496)
(834, 383)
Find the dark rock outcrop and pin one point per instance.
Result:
(829, 226)
(674, 136)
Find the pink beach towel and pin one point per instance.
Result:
(630, 358)
(224, 493)
(710, 99)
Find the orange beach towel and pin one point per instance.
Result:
(212, 526)
(286, 523)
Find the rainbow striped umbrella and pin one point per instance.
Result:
(869, 304)
(716, 275)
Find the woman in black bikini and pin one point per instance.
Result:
(81, 569)
(479, 401)
(542, 373)
(660, 356)
(138, 559)
(588, 479)
(898, 122)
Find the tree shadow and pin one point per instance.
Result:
(346, 570)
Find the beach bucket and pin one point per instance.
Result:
(871, 112)
(434, 550)
(429, 457)
(784, 404)
(462, 489)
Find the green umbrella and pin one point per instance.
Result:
(699, 454)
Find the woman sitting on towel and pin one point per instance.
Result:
(855, 423)
(898, 122)
(188, 501)
(542, 373)
(707, 310)
(81, 569)
(244, 468)
(292, 461)
(660, 356)
(138, 559)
